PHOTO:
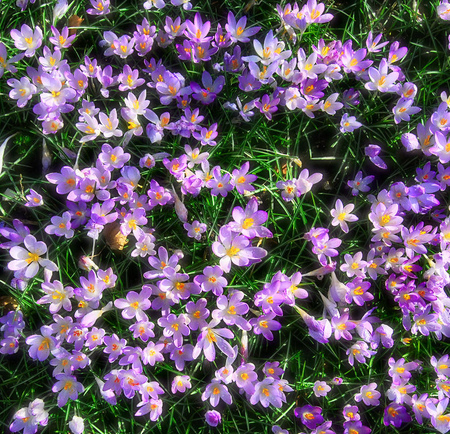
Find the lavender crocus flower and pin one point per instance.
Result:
(310, 416)
(135, 304)
(27, 39)
(368, 395)
(395, 414)
(232, 248)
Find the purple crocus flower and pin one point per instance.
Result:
(27, 39)
(267, 393)
(395, 414)
(68, 387)
(310, 416)
(267, 106)
(249, 222)
(213, 418)
(236, 249)
(215, 392)
(41, 345)
(208, 93)
(219, 184)
(210, 336)
(237, 30)
(135, 304)
(211, 280)
(242, 180)
(360, 183)
(176, 327)
(368, 395)
(264, 325)
(372, 152)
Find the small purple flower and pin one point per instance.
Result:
(27, 39)
(195, 230)
(264, 325)
(135, 304)
(360, 183)
(61, 226)
(213, 418)
(34, 199)
(372, 152)
(68, 387)
(215, 392)
(99, 7)
(349, 123)
(241, 180)
(395, 414)
(368, 395)
(267, 393)
(310, 416)
(236, 249)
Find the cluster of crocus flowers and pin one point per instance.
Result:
(109, 194)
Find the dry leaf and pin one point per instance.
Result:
(113, 237)
(8, 303)
(74, 22)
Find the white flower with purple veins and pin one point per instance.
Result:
(29, 259)
(135, 304)
(60, 226)
(68, 387)
(27, 39)
(403, 109)
(57, 295)
(236, 249)
(22, 90)
(342, 215)
(349, 123)
(215, 392)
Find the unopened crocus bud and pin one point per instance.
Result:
(86, 263)
(76, 425)
(180, 209)
(213, 418)
(244, 346)
(46, 157)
